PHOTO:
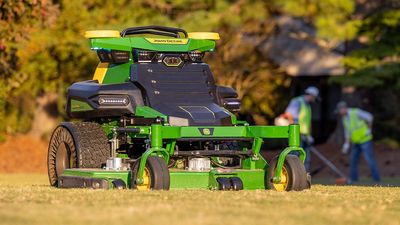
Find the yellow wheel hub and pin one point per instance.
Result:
(282, 185)
(146, 181)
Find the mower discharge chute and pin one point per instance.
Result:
(153, 118)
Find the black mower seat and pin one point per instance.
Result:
(185, 94)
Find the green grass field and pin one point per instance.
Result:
(27, 199)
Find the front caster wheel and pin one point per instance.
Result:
(293, 175)
(155, 176)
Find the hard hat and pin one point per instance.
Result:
(313, 91)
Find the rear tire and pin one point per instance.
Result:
(295, 172)
(156, 174)
(76, 145)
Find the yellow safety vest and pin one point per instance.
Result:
(304, 117)
(357, 128)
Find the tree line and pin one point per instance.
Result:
(42, 48)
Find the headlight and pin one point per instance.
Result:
(113, 56)
(120, 56)
(145, 56)
(232, 104)
(113, 100)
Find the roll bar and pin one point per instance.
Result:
(156, 30)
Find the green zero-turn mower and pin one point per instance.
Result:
(152, 117)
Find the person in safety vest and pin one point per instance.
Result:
(357, 125)
(299, 112)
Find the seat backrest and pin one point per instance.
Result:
(184, 92)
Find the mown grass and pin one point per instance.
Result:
(27, 199)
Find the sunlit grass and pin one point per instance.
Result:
(27, 199)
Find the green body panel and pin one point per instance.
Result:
(117, 73)
(129, 43)
(122, 44)
(80, 106)
(148, 112)
(181, 179)
(189, 180)
(173, 132)
(253, 179)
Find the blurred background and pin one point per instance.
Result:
(270, 51)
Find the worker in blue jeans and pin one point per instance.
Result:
(357, 128)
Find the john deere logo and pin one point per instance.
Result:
(168, 41)
(172, 61)
(206, 131)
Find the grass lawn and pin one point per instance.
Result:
(27, 199)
